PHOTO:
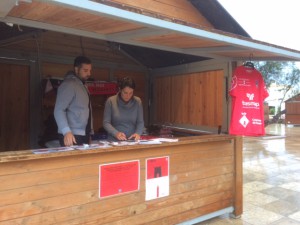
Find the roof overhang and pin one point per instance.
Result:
(100, 21)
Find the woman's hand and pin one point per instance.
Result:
(135, 136)
(121, 136)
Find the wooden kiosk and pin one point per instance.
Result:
(205, 180)
(181, 55)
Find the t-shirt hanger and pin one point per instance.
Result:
(249, 63)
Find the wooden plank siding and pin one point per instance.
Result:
(194, 99)
(292, 115)
(14, 106)
(292, 108)
(63, 189)
(57, 15)
(173, 9)
(161, 100)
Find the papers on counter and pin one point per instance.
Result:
(71, 148)
(150, 142)
(167, 139)
(104, 144)
(156, 141)
(51, 150)
(91, 146)
(124, 143)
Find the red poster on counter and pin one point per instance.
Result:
(119, 178)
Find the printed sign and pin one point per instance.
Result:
(157, 177)
(119, 178)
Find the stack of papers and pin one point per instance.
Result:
(51, 150)
(150, 142)
(71, 148)
(167, 139)
(104, 144)
(91, 146)
(124, 143)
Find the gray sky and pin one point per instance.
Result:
(272, 21)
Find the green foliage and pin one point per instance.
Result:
(284, 74)
(272, 110)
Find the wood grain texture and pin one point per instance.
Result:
(162, 97)
(292, 108)
(14, 107)
(194, 99)
(64, 189)
(172, 9)
(58, 15)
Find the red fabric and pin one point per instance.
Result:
(248, 92)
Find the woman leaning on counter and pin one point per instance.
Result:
(123, 113)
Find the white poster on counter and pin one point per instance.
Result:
(157, 177)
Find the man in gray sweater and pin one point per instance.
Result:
(72, 110)
(123, 113)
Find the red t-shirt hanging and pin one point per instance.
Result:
(248, 92)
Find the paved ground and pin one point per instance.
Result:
(271, 171)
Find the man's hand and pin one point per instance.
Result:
(69, 139)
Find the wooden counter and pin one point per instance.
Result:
(62, 188)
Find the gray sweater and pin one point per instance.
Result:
(71, 110)
(120, 116)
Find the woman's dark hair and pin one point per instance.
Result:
(79, 60)
(126, 82)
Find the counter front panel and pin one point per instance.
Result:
(205, 176)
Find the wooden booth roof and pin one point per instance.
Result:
(132, 26)
(294, 99)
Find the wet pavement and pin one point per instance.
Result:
(271, 169)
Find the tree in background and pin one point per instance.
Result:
(285, 75)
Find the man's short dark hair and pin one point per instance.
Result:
(126, 82)
(79, 60)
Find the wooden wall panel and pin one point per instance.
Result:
(196, 99)
(292, 119)
(62, 188)
(292, 108)
(55, 69)
(59, 70)
(162, 99)
(197, 94)
(180, 99)
(14, 107)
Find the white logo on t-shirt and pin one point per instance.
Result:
(244, 120)
(250, 96)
